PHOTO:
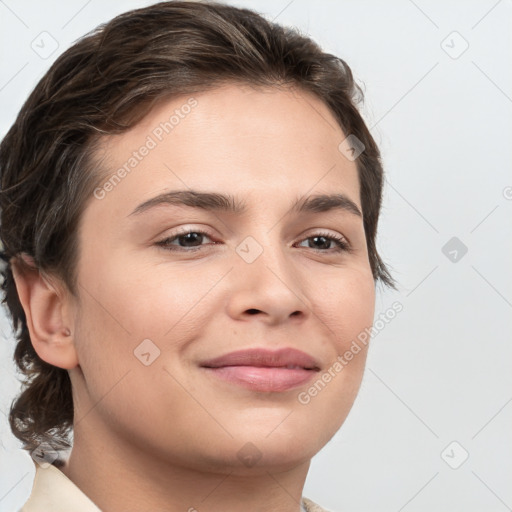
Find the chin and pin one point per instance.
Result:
(260, 457)
(282, 447)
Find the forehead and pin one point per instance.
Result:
(239, 139)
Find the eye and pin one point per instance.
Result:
(323, 239)
(190, 241)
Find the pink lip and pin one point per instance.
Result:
(264, 370)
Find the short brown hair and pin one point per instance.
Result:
(105, 83)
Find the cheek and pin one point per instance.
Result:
(140, 298)
(346, 307)
(124, 306)
(166, 301)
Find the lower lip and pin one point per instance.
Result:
(263, 378)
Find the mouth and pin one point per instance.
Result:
(264, 370)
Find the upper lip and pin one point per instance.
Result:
(264, 358)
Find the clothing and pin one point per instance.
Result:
(53, 491)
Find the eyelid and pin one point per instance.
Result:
(343, 244)
(181, 231)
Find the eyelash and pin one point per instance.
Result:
(342, 244)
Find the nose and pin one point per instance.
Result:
(266, 283)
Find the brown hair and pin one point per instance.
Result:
(105, 83)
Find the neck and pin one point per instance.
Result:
(122, 477)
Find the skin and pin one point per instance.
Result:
(166, 436)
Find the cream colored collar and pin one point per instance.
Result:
(53, 491)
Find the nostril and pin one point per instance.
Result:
(253, 311)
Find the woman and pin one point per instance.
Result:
(190, 201)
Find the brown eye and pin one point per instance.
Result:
(321, 242)
(186, 240)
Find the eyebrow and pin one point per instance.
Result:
(213, 201)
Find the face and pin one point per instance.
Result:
(167, 288)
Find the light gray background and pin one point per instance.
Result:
(441, 370)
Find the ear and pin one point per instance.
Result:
(46, 311)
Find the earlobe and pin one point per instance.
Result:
(44, 306)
